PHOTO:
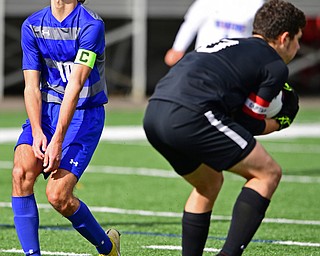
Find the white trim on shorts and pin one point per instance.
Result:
(226, 130)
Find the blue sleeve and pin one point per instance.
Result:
(31, 59)
(92, 37)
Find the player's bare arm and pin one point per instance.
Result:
(33, 104)
(271, 126)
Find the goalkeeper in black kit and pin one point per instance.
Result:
(199, 119)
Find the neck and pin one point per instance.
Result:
(260, 36)
(278, 46)
(62, 8)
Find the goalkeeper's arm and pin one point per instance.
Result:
(289, 108)
(272, 125)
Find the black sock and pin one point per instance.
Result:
(195, 228)
(248, 213)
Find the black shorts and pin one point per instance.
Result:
(187, 138)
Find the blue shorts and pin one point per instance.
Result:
(81, 139)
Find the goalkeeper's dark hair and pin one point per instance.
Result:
(81, 1)
(276, 17)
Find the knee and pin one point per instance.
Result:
(20, 176)
(278, 174)
(57, 200)
(274, 174)
(62, 202)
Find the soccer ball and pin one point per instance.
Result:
(275, 106)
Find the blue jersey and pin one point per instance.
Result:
(51, 47)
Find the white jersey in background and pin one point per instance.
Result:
(211, 20)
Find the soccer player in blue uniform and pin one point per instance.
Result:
(65, 92)
(203, 115)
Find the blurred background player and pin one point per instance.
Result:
(211, 20)
(65, 92)
(192, 120)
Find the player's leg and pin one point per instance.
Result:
(79, 145)
(60, 195)
(263, 176)
(184, 138)
(197, 214)
(26, 169)
(207, 184)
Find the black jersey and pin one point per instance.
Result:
(222, 75)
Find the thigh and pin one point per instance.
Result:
(258, 164)
(204, 177)
(263, 174)
(26, 169)
(207, 184)
(25, 160)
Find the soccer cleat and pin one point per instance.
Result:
(114, 236)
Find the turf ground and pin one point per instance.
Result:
(129, 186)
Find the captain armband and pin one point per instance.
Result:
(86, 57)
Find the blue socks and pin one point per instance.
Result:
(26, 219)
(84, 222)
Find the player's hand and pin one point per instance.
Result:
(52, 157)
(172, 57)
(289, 108)
(39, 144)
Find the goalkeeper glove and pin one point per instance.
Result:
(290, 107)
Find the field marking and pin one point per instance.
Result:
(113, 133)
(47, 252)
(174, 248)
(179, 248)
(136, 132)
(151, 172)
(174, 214)
(171, 174)
(296, 243)
(296, 130)
(283, 147)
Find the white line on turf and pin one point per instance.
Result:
(172, 174)
(178, 248)
(296, 130)
(167, 174)
(296, 243)
(118, 133)
(283, 147)
(125, 133)
(46, 253)
(174, 248)
(173, 214)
